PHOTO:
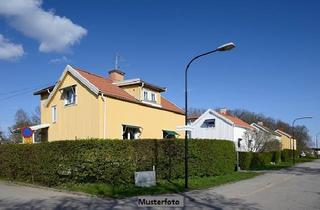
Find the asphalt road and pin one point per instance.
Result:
(295, 188)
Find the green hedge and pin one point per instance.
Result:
(245, 159)
(286, 155)
(113, 161)
(256, 160)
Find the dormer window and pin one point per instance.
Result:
(69, 95)
(149, 96)
(145, 95)
(209, 123)
(153, 97)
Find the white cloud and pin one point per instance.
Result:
(55, 33)
(9, 50)
(63, 59)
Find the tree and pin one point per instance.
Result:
(259, 141)
(196, 111)
(22, 119)
(302, 137)
(2, 137)
(35, 117)
(300, 132)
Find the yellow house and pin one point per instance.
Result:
(286, 140)
(85, 105)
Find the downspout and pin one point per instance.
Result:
(104, 99)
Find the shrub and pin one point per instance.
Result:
(276, 157)
(245, 159)
(260, 160)
(286, 155)
(257, 160)
(113, 161)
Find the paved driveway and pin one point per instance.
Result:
(295, 188)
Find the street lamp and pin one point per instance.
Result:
(225, 47)
(299, 118)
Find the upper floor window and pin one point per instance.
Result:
(153, 97)
(69, 95)
(209, 123)
(145, 95)
(149, 96)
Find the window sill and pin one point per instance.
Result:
(69, 105)
(151, 103)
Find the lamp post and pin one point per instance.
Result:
(317, 144)
(222, 48)
(299, 118)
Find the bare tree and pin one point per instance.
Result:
(301, 132)
(22, 119)
(196, 111)
(35, 116)
(259, 141)
(2, 137)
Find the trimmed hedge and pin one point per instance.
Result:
(286, 155)
(245, 159)
(256, 160)
(113, 161)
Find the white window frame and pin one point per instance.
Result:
(145, 95)
(155, 96)
(54, 114)
(73, 91)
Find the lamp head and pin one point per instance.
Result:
(226, 47)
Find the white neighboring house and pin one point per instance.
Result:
(261, 127)
(270, 134)
(218, 125)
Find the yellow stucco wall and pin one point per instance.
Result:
(86, 118)
(134, 90)
(81, 120)
(286, 142)
(137, 92)
(151, 120)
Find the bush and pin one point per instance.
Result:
(113, 161)
(257, 160)
(245, 159)
(286, 155)
(260, 160)
(276, 157)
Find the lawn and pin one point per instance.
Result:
(287, 164)
(163, 186)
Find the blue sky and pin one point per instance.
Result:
(274, 69)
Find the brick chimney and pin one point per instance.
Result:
(116, 75)
(223, 111)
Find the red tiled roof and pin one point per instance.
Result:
(193, 117)
(170, 106)
(106, 87)
(236, 121)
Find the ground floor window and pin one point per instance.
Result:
(239, 142)
(131, 132)
(169, 134)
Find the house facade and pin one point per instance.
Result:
(218, 125)
(286, 140)
(85, 105)
(272, 135)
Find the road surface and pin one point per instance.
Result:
(294, 188)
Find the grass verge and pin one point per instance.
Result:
(163, 186)
(287, 164)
